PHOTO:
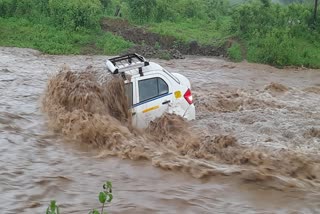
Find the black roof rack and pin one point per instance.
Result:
(128, 58)
(126, 62)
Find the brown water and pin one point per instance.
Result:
(253, 148)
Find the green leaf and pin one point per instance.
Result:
(94, 212)
(109, 184)
(110, 197)
(53, 206)
(102, 197)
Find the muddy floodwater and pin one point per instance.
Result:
(254, 147)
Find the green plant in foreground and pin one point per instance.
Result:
(53, 208)
(104, 197)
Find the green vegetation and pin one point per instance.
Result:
(20, 32)
(278, 35)
(112, 44)
(234, 52)
(104, 197)
(204, 32)
(75, 14)
(165, 56)
(72, 14)
(273, 33)
(57, 27)
(53, 208)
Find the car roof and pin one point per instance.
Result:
(146, 69)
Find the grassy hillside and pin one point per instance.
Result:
(57, 27)
(260, 31)
(256, 30)
(20, 32)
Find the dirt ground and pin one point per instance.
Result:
(147, 41)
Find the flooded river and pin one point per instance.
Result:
(254, 147)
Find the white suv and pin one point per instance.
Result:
(152, 90)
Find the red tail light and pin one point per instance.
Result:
(188, 96)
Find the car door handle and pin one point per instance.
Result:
(166, 102)
(133, 113)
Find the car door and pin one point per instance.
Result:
(154, 95)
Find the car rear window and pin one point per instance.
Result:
(151, 88)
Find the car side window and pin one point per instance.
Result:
(163, 86)
(153, 87)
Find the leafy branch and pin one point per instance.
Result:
(104, 197)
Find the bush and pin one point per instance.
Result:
(164, 55)
(276, 34)
(141, 10)
(112, 44)
(29, 8)
(190, 8)
(75, 14)
(7, 8)
(26, 8)
(216, 8)
(72, 14)
(275, 48)
(48, 39)
(250, 18)
(164, 11)
(234, 52)
(106, 3)
(280, 49)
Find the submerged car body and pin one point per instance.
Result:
(152, 90)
